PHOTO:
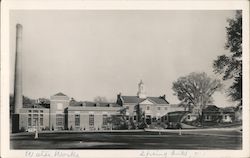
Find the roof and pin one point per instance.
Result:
(35, 106)
(131, 99)
(177, 116)
(60, 94)
(158, 100)
(136, 99)
(92, 104)
(211, 108)
(228, 109)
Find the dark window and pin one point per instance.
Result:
(41, 111)
(159, 108)
(77, 120)
(59, 119)
(104, 119)
(35, 111)
(148, 108)
(91, 120)
(166, 118)
(35, 120)
(29, 121)
(135, 117)
(127, 117)
(29, 110)
(41, 121)
(189, 116)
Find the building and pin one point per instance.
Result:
(90, 115)
(58, 103)
(152, 108)
(211, 115)
(64, 113)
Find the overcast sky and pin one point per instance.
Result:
(85, 54)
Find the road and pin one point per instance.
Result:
(129, 140)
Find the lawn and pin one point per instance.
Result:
(128, 140)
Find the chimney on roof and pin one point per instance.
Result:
(119, 95)
(164, 96)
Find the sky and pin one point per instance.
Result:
(85, 53)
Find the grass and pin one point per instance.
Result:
(129, 140)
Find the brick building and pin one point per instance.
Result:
(64, 113)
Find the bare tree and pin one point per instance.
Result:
(100, 99)
(195, 90)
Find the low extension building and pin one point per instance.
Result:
(90, 115)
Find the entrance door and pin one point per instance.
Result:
(148, 119)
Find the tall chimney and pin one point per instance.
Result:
(18, 97)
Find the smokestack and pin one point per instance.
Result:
(18, 96)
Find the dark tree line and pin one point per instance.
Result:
(230, 65)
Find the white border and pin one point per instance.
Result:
(6, 6)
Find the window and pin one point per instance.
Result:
(41, 111)
(29, 110)
(41, 121)
(135, 118)
(127, 117)
(166, 118)
(208, 117)
(35, 111)
(225, 117)
(189, 117)
(35, 121)
(29, 121)
(148, 108)
(91, 120)
(158, 108)
(104, 119)
(166, 108)
(29, 115)
(127, 107)
(77, 120)
(59, 119)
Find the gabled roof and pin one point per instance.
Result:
(159, 100)
(60, 94)
(228, 109)
(136, 99)
(211, 108)
(131, 99)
